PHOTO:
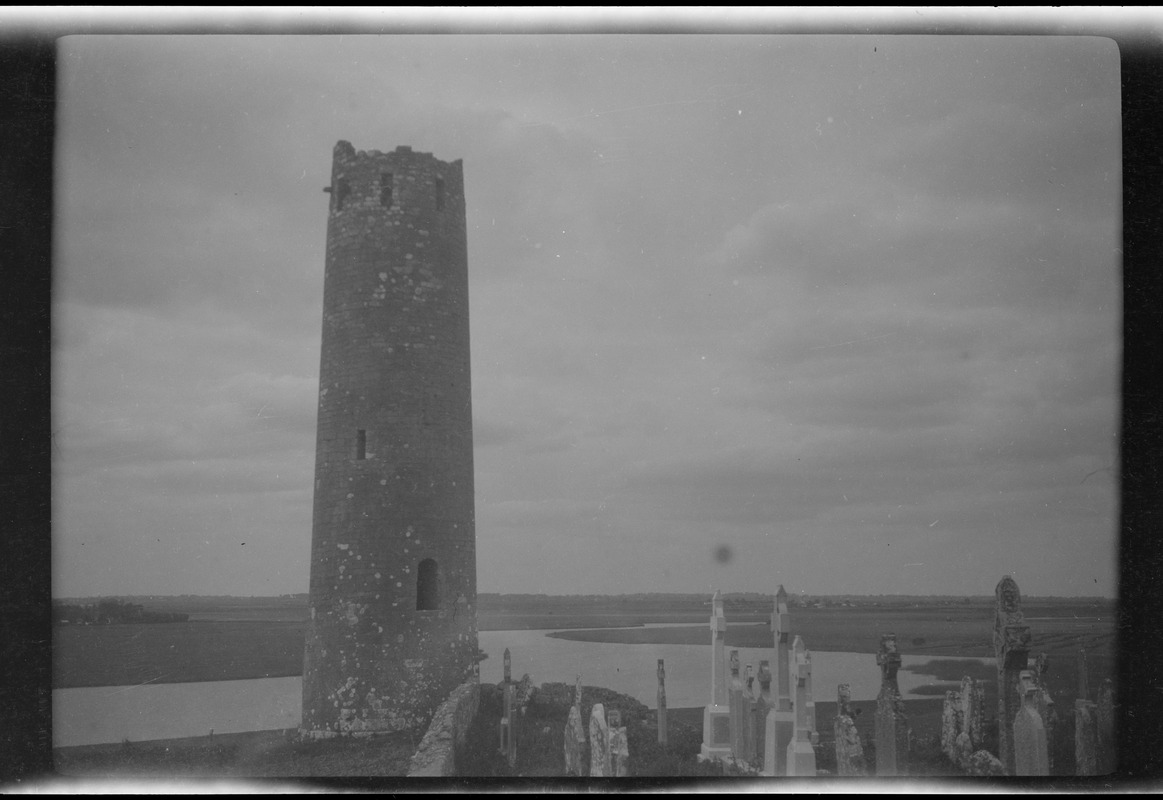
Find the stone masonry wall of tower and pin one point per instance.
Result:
(393, 544)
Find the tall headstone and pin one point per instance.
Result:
(951, 725)
(1083, 677)
(1030, 746)
(801, 756)
(973, 711)
(735, 704)
(508, 667)
(763, 680)
(1044, 702)
(1107, 760)
(749, 704)
(619, 747)
(599, 743)
(661, 721)
(849, 750)
(717, 714)
(892, 733)
(762, 706)
(780, 724)
(1011, 645)
(508, 725)
(1085, 737)
(575, 740)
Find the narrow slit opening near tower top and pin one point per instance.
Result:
(439, 194)
(342, 190)
(360, 445)
(427, 588)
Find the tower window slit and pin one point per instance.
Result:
(386, 189)
(360, 444)
(439, 194)
(342, 190)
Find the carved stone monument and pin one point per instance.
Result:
(801, 756)
(599, 743)
(661, 721)
(1085, 737)
(1011, 645)
(575, 741)
(1107, 759)
(735, 704)
(849, 750)
(892, 731)
(1030, 746)
(780, 725)
(973, 712)
(763, 703)
(508, 725)
(1044, 702)
(619, 748)
(717, 714)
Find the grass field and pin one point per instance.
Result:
(241, 640)
(949, 631)
(260, 754)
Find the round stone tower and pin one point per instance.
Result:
(393, 544)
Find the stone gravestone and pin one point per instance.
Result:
(1107, 760)
(892, 733)
(1085, 724)
(575, 736)
(1083, 677)
(508, 667)
(951, 724)
(575, 739)
(1085, 737)
(1030, 747)
(1044, 702)
(748, 709)
(508, 737)
(849, 751)
(780, 723)
(619, 748)
(801, 756)
(1011, 645)
(735, 704)
(973, 712)
(762, 706)
(717, 714)
(661, 703)
(599, 743)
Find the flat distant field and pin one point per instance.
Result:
(945, 631)
(240, 638)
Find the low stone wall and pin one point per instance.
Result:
(435, 757)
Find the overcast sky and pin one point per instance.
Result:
(849, 306)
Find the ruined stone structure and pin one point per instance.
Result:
(393, 553)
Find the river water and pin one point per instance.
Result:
(98, 715)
